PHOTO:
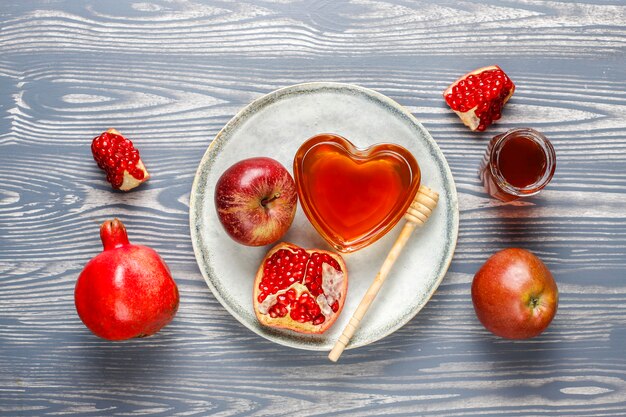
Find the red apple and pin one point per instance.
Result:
(514, 294)
(256, 201)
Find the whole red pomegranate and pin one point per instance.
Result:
(301, 290)
(127, 290)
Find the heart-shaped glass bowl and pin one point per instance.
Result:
(354, 196)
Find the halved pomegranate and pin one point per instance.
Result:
(479, 96)
(301, 290)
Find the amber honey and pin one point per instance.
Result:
(351, 196)
(518, 163)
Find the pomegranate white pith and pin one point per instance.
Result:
(129, 182)
(479, 96)
(300, 290)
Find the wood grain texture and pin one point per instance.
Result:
(170, 74)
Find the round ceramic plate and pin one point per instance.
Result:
(276, 125)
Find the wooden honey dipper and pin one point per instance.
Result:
(418, 213)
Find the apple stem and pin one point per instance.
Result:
(534, 301)
(266, 201)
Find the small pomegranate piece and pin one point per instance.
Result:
(300, 290)
(127, 290)
(479, 96)
(119, 158)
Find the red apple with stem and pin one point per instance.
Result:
(514, 294)
(256, 201)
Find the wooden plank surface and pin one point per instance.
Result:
(170, 74)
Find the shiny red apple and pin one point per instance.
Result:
(514, 294)
(256, 201)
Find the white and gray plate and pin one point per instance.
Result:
(275, 125)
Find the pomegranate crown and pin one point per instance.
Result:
(113, 234)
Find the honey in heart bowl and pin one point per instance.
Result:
(354, 196)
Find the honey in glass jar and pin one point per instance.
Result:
(518, 163)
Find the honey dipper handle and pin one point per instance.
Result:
(417, 214)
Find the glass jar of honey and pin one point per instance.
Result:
(518, 163)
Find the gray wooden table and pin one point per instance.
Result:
(170, 74)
